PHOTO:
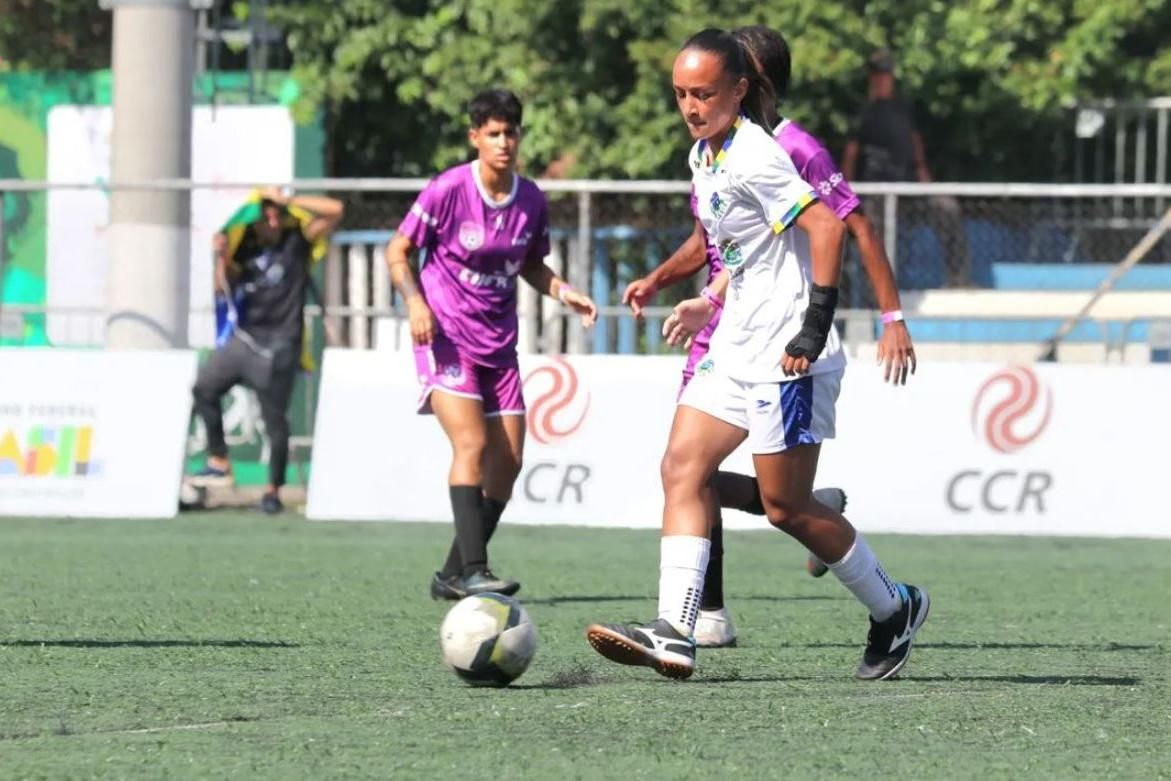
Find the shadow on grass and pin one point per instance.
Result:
(584, 598)
(146, 644)
(1033, 680)
(1028, 680)
(995, 646)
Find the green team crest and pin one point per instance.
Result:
(731, 253)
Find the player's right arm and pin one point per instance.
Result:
(405, 278)
(685, 261)
(419, 228)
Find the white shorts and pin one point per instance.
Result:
(776, 415)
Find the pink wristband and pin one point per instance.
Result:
(893, 316)
(712, 297)
(562, 290)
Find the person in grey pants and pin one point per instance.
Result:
(267, 269)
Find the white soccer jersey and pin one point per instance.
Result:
(748, 200)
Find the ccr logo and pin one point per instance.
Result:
(1010, 411)
(559, 411)
(1005, 412)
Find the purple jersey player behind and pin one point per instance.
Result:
(770, 56)
(481, 225)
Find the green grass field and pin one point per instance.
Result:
(227, 645)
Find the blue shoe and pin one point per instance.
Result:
(270, 504)
(212, 477)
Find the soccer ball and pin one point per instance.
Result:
(488, 639)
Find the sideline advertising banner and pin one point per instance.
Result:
(962, 449)
(93, 434)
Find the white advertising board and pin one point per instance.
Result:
(89, 434)
(962, 449)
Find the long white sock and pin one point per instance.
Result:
(682, 563)
(860, 571)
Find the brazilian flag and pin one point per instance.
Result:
(231, 311)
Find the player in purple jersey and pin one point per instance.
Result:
(481, 225)
(768, 53)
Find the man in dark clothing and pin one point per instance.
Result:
(885, 146)
(265, 265)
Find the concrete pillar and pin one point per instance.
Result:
(147, 283)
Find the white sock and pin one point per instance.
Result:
(860, 572)
(682, 564)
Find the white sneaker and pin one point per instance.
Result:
(834, 498)
(714, 629)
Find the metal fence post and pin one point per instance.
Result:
(334, 282)
(579, 265)
(890, 229)
(359, 289)
(1160, 154)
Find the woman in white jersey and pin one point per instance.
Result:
(771, 376)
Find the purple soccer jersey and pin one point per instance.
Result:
(475, 250)
(814, 164)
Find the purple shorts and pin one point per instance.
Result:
(442, 367)
(699, 349)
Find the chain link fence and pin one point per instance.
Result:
(605, 234)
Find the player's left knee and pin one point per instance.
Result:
(786, 514)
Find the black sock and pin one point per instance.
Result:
(493, 509)
(713, 580)
(467, 505)
(454, 564)
(756, 506)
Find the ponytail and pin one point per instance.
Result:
(768, 55)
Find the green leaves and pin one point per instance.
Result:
(395, 75)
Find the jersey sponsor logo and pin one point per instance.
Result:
(483, 279)
(706, 367)
(826, 186)
(561, 409)
(471, 235)
(1008, 412)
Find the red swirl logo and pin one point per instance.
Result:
(547, 414)
(1007, 412)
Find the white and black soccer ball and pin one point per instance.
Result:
(488, 639)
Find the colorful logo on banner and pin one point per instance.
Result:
(560, 410)
(1011, 409)
(48, 451)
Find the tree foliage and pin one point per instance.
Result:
(54, 35)
(993, 75)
